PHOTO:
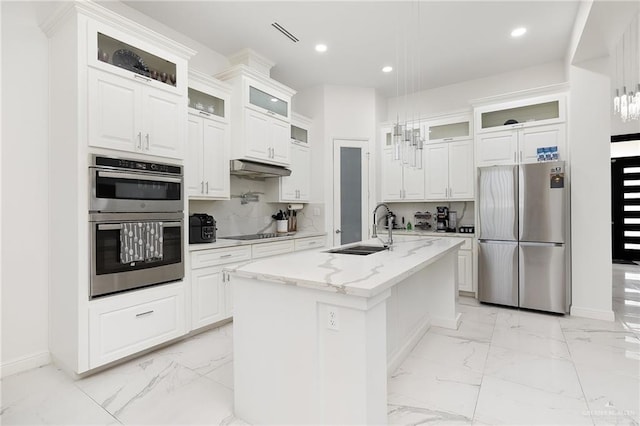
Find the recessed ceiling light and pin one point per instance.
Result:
(321, 47)
(518, 32)
(387, 69)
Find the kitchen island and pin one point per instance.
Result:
(317, 333)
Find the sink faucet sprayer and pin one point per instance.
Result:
(374, 234)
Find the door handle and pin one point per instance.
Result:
(338, 231)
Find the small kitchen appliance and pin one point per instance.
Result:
(442, 219)
(422, 221)
(202, 228)
(453, 221)
(468, 229)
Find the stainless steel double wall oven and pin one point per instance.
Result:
(135, 224)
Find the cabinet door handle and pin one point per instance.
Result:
(139, 140)
(515, 159)
(207, 187)
(521, 156)
(225, 255)
(223, 277)
(202, 187)
(206, 114)
(400, 195)
(447, 139)
(142, 314)
(147, 137)
(142, 78)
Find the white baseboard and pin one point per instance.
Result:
(450, 323)
(25, 363)
(598, 314)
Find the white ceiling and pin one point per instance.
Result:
(449, 41)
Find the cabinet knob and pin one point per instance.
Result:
(338, 231)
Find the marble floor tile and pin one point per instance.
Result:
(617, 361)
(612, 399)
(199, 402)
(533, 323)
(125, 387)
(468, 330)
(532, 342)
(551, 375)
(478, 313)
(435, 386)
(203, 352)
(223, 375)
(46, 395)
(452, 351)
(501, 402)
(406, 413)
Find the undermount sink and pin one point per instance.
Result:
(358, 250)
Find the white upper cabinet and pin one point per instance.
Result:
(402, 179)
(512, 132)
(448, 129)
(261, 113)
(297, 186)
(207, 159)
(449, 171)
(135, 94)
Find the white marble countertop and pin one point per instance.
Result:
(356, 275)
(419, 232)
(222, 243)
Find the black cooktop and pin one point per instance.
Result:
(257, 236)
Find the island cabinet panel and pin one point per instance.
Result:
(315, 342)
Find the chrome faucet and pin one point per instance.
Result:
(374, 234)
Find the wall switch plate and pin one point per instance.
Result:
(333, 320)
(316, 211)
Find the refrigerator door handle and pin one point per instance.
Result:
(534, 244)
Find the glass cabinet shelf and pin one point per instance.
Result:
(269, 102)
(299, 134)
(123, 55)
(523, 114)
(205, 102)
(449, 131)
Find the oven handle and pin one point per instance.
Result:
(134, 176)
(112, 226)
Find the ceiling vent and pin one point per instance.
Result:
(284, 31)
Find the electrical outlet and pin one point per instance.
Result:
(333, 321)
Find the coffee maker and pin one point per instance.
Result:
(442, 219)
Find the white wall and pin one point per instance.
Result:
(24, 189)
(589, 148)
(457, 96)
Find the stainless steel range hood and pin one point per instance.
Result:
(254, 170)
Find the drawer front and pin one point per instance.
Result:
(204, 258)
(116, 332)
(309, 243)
(271, 249)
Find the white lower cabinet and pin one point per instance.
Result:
(465, 266)
(125, 324)
(207, 296)
(211, 292)
(465, 270)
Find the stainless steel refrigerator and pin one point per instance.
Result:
(522, 251)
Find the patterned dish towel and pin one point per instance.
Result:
(141, 241)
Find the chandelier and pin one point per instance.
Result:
(408, 141)
(626, 101)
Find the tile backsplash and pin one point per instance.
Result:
(234, 218)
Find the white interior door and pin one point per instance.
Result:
(350, 190)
